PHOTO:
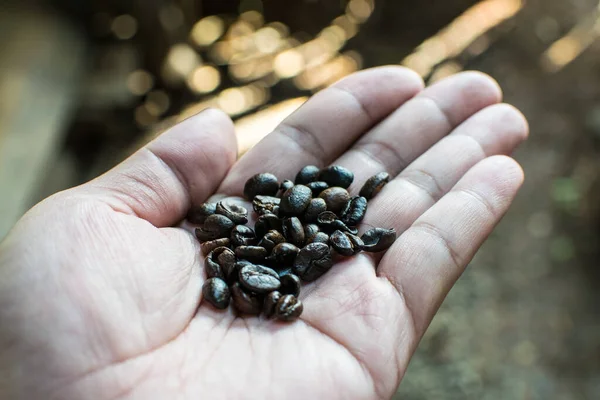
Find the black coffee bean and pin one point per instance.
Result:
(266, 204)
(290, 284)
(320, 237)
(213, 269)
(198, 214)
(283, 255)
(241, 235)
(226, 259)
(266, 223)
(315, 207)
(336, 175)
(313, 261)
(232, 272)
(270, 240)
(288, 308)
(270, 302)
(237, 214)
(285, 185)
(308, 174)
(329, 222)
(251, 253)
(244, 302)
(343, 245)
(261, 184)
(356, 241)
(317, 187)
(378, 239)
(215, 226)
(374, 184)
(295, 200)
(216, 292)
(207, 247)
(310, 230)
(259, 279)
(293, 231)
(354, 211)
(336, 198)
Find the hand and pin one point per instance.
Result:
(99, 293)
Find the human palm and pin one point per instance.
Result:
(100, 287)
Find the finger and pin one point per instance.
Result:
(418, 124)
(497, 129)
(181, 167)
(429, 257)
(327, 124)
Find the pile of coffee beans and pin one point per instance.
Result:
(299, 224)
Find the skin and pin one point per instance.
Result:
(100, 293)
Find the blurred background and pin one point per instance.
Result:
(84, 83)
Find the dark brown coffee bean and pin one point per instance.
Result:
(290, 284)
(308, 174)
(295, 200)
(378, 239)
(259, 279)
(266, 223)
(293, 231)
(343, 245)
(335, 198)
(215, 226)
(315, 207)
(313, 261)
(198, 214)
(213, 269)
(216, 292)
(283, 255)
(261, 184)
(207, 247)
(356, 241)
(270, 240)
(266, 204)
(336, 175)
(328, 222)
(244, 302)
(285, 185)
(241, 235)
(232, 272)
(374, 184)
(225, 257)
(237, 214)
(270, 302)
(288, 308)
(310, 230)
(354, 211)
(317, 187)
(320, 237)
(253, 254)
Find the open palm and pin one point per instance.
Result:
(99, 292)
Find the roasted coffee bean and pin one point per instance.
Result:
(283, 255)
(265, 204)
(336, 175)
(215, 226)
(310, 230)
(259, 279)
(374, 184)
(354, 211)
(270, 240)
(317, 187)
(315, 207)
(356, 242)
(251, 253)
(213, 269)
(266, 223)
(198, 214)
(295, 200)
(232, 272)
(313, 261)
(216, 292)
(343, 245)
(293, 231)
(261, 184)
(320, 237)
(237, 214)
(244, 302)
(207, 247)
(241, 235)
(290, 284)
(270, 302)
(308, 174)
(329, 222)
(288, 308)
(336, 198)
(285, 185)
(225, 257)
(378, 239)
